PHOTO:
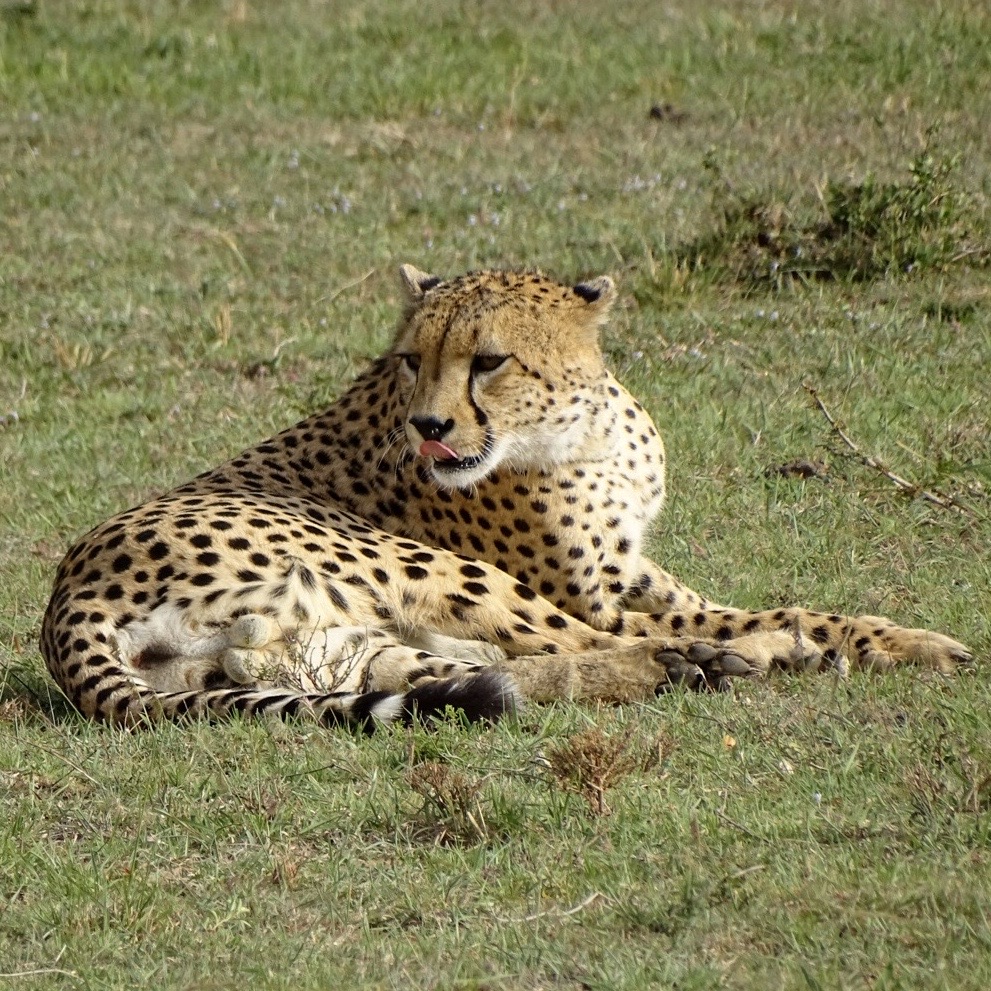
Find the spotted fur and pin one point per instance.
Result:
(463, 527)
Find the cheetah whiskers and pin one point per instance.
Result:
(390, 440)
(518, 456)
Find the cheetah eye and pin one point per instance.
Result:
(487, 362)
(411, 361)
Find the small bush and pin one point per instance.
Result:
(871, 229)
(453, 811)
(589, 763)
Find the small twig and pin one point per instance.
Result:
(561, 913)
(225, 239)
(37, 973)
(736, 825)
(745, 872)
(71, 763)
(869, 461)
(330, 297)
(960, 255)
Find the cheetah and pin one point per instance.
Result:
(464, 527)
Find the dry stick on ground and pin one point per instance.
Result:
(560, 913)
(936, 498)
(38, 973)
(340, 290)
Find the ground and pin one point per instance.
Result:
(202, 212)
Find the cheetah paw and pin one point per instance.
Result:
(250, 632)
(768, 650)
(243, 667)
(900, 646)
(243, 661)
(701, 666)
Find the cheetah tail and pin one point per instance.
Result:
(486, 696)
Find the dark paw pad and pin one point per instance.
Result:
(679, 671)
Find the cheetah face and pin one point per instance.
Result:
(478, 450)
(499, 370)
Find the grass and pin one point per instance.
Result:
(202, 206)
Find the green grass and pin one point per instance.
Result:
(202, 207)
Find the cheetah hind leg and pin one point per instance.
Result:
(788, 650)
(332, 659)
(369, 659)
(634, 672)
(480, 651)
(172, 655)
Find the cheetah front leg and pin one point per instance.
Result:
(653, 590)
(553, 655)
(802, 639)
(791, 638)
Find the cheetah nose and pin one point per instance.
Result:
(432, 427)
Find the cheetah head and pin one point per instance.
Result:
(500, 369)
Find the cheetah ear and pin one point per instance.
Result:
(598, 294)
(416, 283)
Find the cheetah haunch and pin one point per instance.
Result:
(463, 527)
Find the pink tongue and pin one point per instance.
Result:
(435, 449)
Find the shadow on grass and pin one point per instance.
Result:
(26, 694)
